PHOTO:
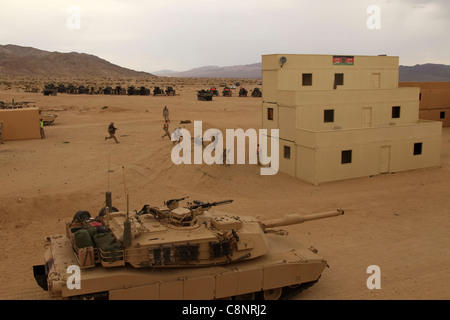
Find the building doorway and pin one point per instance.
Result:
(385, 159)
(366, 117)
(376, 80)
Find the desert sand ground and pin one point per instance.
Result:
(399, 222)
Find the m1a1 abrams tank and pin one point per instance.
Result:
(50, 90)
(204, 95)
(177, 252)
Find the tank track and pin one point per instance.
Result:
(292, 291)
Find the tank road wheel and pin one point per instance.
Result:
(272, 294)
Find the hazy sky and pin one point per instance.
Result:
(148, 35)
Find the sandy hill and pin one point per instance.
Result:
(17, 60)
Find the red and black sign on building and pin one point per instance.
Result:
(343, 60)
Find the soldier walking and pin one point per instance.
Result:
(42, 128)
(166, 114)
(112, 132)
(166, 129)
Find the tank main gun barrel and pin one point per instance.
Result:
(297, 218)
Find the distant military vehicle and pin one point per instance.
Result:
(191, 252)
(83, 90)
(108, 90)
(204, 95)
(143, 91)
(170, 91)
(256, 92)
(227, 92)
(157, 91)
(47, 118)
(71, 89)
(243, 92)
(15, 104)
(131, 91)
(237, 83)
(62, 88)
(120, 91)
(50, 90)
(214, 91)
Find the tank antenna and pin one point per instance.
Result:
(126, 237)
(124, 183)
(128, 206)
(109, 167)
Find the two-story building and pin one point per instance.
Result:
(342, 117)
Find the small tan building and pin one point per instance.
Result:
(342, 117)
(20, 124)
(434, 100)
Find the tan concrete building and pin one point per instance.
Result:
(342, 117)
(20, 124)
(434, 99)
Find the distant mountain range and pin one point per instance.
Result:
(17, 60)
(425, 72)
(419, 72)
(248, 71)
(24, 61)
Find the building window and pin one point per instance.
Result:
(395, 112)
(269, 113)
(307, 79)
(287, 152)
(420, 96)
(442, 115)
(338, 79)
(328, 115)
(417, 148)
(346, 156)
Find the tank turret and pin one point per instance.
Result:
(187, 236)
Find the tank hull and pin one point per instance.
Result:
(288, 264)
